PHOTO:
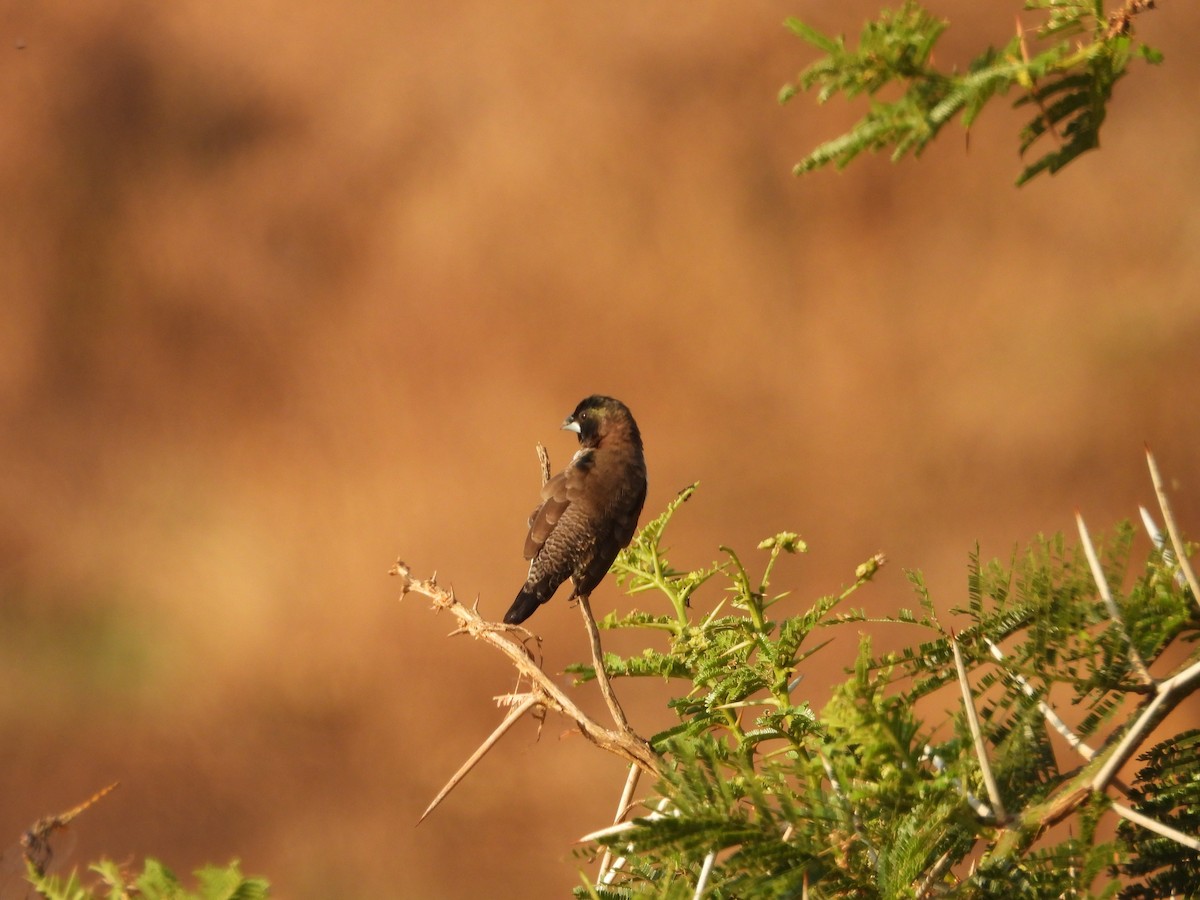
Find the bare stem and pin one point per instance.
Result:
(614, 705)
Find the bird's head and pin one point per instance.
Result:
(597, 418)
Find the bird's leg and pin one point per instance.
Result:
(606, 690)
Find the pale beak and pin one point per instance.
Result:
(571, 425)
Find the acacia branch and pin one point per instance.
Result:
(542, 689)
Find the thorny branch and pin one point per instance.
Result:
(1165, 695)
(542, 689)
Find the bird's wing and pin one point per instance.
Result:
(557, 496)
(625, 526)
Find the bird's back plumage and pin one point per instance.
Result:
(589, 511)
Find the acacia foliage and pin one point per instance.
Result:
(1063, 70)
(764, 796)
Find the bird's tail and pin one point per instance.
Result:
(523, 607)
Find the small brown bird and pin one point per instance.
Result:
(589, 511)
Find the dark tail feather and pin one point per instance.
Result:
(523, 607)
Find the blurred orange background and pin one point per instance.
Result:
(293, 289)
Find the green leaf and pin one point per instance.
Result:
(806, 32)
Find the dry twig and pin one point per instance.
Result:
(541, 686)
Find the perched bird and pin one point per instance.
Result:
(589, 511)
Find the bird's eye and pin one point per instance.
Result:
(583, 415)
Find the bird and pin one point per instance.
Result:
(589, 511)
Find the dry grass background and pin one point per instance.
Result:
(290, 289)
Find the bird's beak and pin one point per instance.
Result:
(570, 425)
